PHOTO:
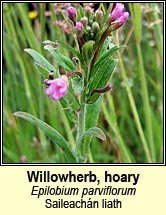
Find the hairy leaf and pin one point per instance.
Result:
(40, 60)
(95, 131)
(67, 47)
(100, 79)
(41, 70)
(62, 60)
(77, 85)
(92, 113)
(54, 135)
(87, 50)
(104, 56)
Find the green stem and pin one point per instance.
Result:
(68, 128)
(80, 130)
(31, 37)
(157, 29)
(145, 97)
(134, 110)
(136, 20)
(113, 124)
(90, 157)
(101, 41)
(81, 121)
(42, 22)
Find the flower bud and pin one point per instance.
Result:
(71, 11)
(88, 28)
(79, 28)
(120, 21)
(123, 18)
(99, 16)
(117, 17)
(95, 27)
(117, 12)
(84, 21)
(88, 11)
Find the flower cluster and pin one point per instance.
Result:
(64, 27)
(90, 23)
(86, 23)
(60, 7)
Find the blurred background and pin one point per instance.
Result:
(132, 113)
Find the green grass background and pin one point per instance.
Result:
(132, 113)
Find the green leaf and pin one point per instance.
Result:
(103, 59)
(135, 11)
(92, 113)
(77, 85)
(138, 24)
(54, 135)
(87, 50)
(40, 60)
(101, 79)
(80, 12)
(106, 15)
(41, 70)
(62, 60)
(68, 109)
(66, 46)
(105, 46)
(72, 99)
(107, 50)
(95, 131)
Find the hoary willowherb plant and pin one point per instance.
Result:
(86, 76)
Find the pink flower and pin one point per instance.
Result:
(71, 11)
(57, 87)
(118, 14)
(123, 18)
(79, 28)
(23, 159)
(64, 27)
(117, 11)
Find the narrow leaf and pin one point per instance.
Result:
(138, 24)
(68, 109)
(77, 85)
(135, 12)
(106, 15)
(103, 59)
(62, 60)
(87, 50)
(101, 79)
(102, 75)
(66, 46)
(40, 60)
(54, 135)
(92, 113)
(41, 70)
(95, 131)
(105, 46)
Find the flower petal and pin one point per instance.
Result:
(57, 87)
